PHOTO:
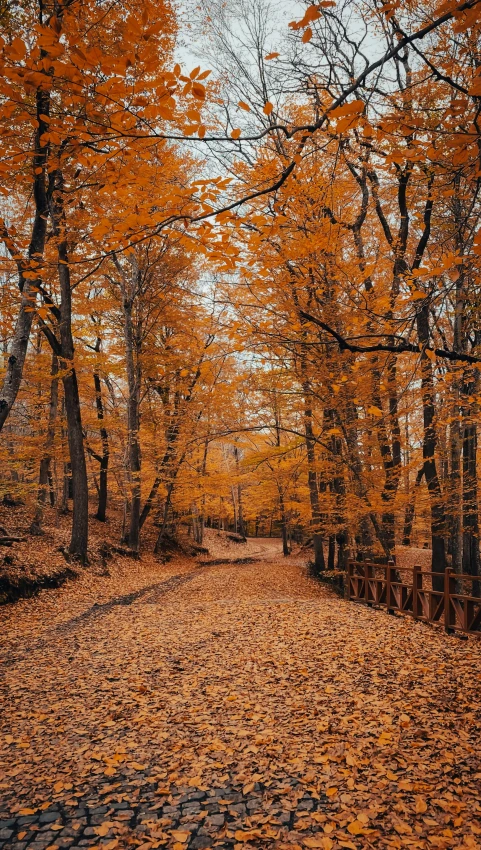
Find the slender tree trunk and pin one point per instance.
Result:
(318, 541)
(66, 486)
(80, 519)
(438, 518)
(163, 528)
(78, 546)
(350, 426)
(331, 554)
(455, 510)
(27, 287)
(240, 514)
(45, 474)
(104, 458)
(203, 471)
(455, 488)
(390, 450)
(52, 487)
(318, 547)
(133, 424)
(391, 457)
(410, 508)
(285, 542)
(66, 477)
(471, 557)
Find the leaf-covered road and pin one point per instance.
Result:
(233, 706)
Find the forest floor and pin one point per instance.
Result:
(232, 706)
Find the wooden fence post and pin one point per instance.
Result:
(389, 594)
(366, 583)
(449, 612)
(417, 587)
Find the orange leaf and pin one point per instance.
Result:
(273, 55)
(421, 805)
(235, 133)
(244, 105)
(102, 830)
(307, 35)
(179, 835)
(268, 108)
(198, 90)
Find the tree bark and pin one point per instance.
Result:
(163, 528)
(45, 475)
(471, 558)
(27, 287)
(318, 544)
(410, 508)
(104, 457)
(438, 518)
(78, 546)
(240, 514)
(133, 424)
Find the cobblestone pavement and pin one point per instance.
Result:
(233, 706)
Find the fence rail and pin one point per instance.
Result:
(426, 596)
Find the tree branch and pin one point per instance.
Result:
(402, 347)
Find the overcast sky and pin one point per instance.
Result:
(190, 46)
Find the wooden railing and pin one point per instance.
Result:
(426, 596)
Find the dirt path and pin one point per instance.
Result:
(233, 706)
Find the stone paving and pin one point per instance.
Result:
(202, 814)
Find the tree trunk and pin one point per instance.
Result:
(410, 507)
(240, 515)
(471, 558)
(331, 553)
(285, 542)
(391, 457)
(319, 560)
(438, 518)
(104, 458)
(78, 546)
(455, 488)
(163, 528)
(28, 288)
(318, 547)
(133, 424)
(45, 474)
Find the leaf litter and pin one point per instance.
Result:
(241, 706)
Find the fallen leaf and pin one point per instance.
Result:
(102, 830)
(421, 805)
(180, 836)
